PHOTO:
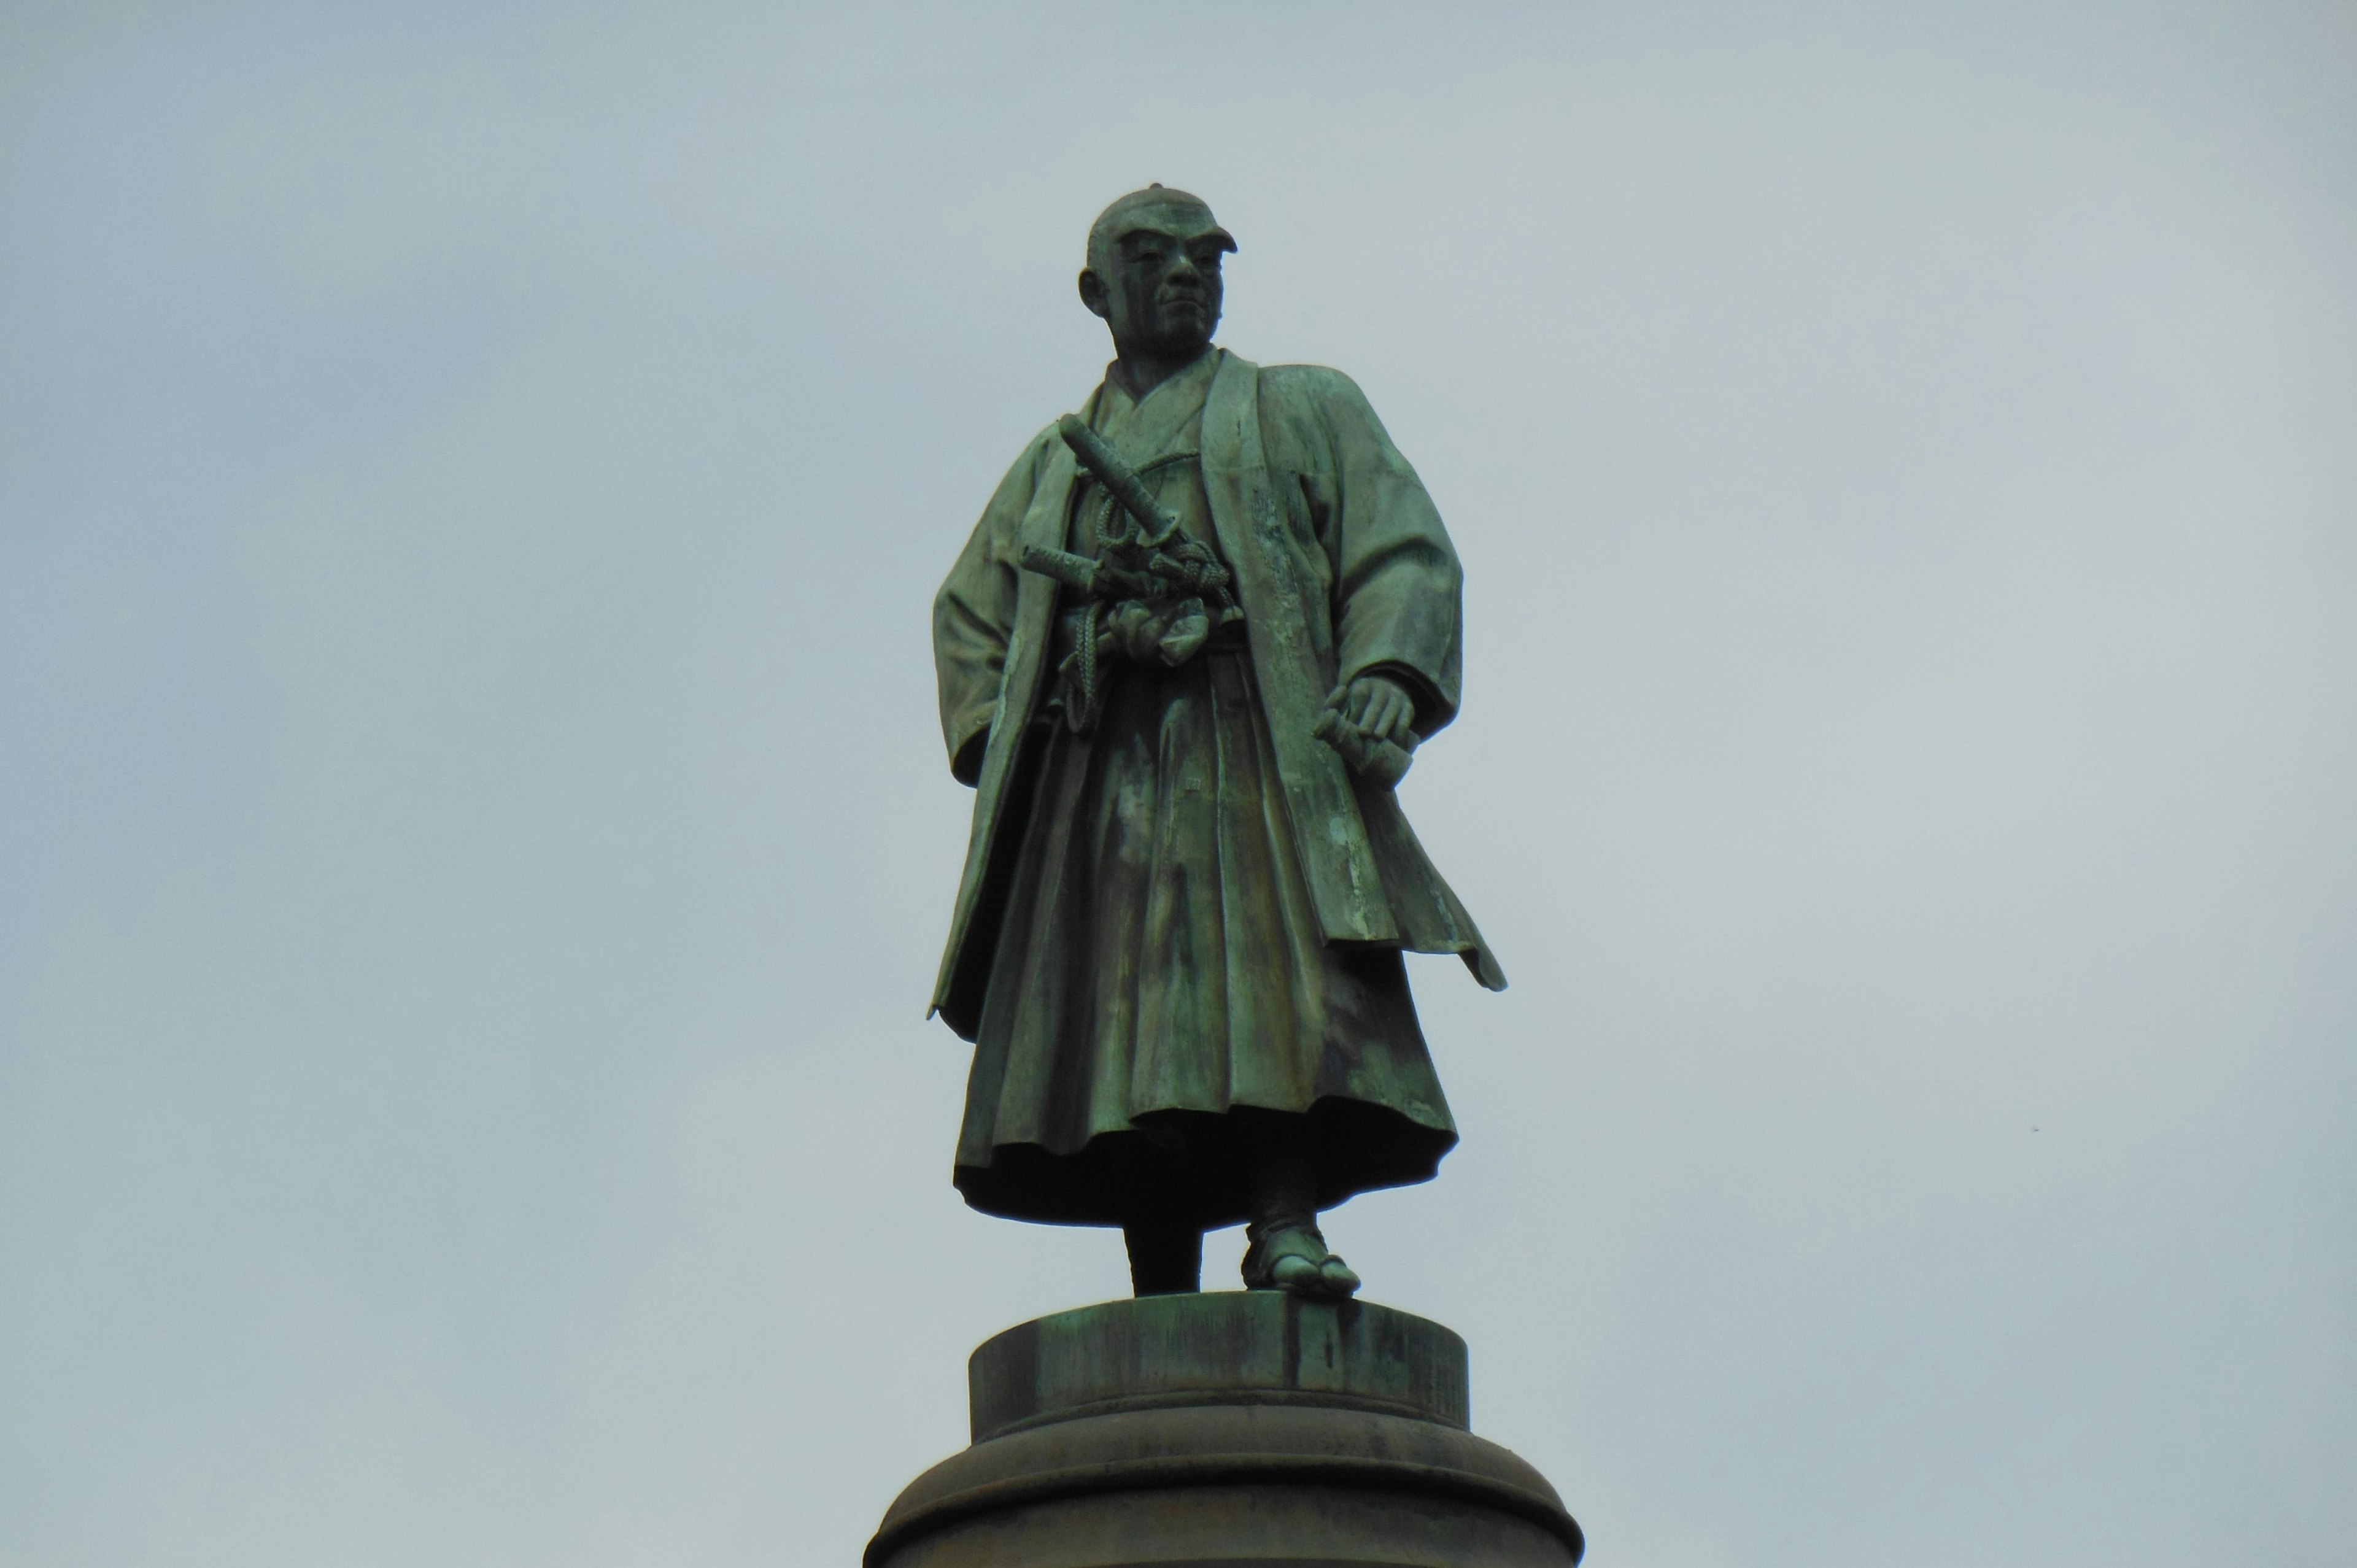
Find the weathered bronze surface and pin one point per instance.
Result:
(1234, 1347)
(1229, 1428)
(1184, 658)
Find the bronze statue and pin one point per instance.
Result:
(1183, 659)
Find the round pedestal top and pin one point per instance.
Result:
(1216, 1348)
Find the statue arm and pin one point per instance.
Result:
(974, 618)
(1398, 592)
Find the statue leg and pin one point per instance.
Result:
(1165, 1257)
(1287, 1252)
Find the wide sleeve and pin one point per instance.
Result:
(974, 618)
(1398, 597)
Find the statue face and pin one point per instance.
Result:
(1156, 283)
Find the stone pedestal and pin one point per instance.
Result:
(1225, 1429)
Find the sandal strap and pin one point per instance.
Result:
(1260, 1263)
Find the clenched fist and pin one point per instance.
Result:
(1377, 707)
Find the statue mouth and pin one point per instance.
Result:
(1189, 313)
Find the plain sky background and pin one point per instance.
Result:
(474, 839)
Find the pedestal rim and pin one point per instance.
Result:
(1226, 1398)
(1242, 1458)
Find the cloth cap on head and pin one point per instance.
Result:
(1104, 230)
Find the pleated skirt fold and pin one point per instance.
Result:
(1159, 966)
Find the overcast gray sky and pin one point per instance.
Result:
(474, 842)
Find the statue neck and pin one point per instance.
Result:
(1140, 372)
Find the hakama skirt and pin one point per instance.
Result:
(1159, 966)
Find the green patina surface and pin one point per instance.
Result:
(1228, 1346)
(1227, 1430)
(1185, 655)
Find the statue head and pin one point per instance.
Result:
(1153, 272)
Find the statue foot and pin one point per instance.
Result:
(1293, 1257)
(1331, 1280)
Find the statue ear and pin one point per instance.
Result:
(1093, 294)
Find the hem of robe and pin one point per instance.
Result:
(1187, 1166)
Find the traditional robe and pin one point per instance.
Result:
(1194, 906)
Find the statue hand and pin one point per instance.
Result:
(1377, 706)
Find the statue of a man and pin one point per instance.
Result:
(1176, 942)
